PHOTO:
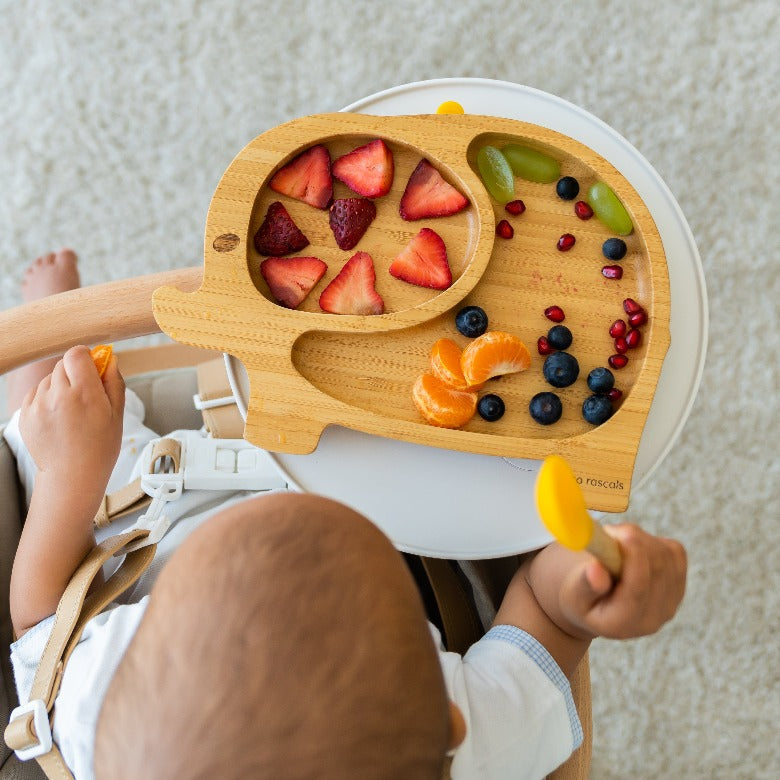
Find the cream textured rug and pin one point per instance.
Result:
(117, 120)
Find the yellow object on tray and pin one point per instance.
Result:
(450, 107)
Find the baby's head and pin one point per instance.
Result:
(285, 638)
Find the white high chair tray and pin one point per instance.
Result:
(449, 504)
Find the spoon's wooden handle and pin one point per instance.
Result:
(606, 549)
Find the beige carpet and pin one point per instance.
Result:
(117, 120)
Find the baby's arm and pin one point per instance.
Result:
(72, 425)
(564, 599)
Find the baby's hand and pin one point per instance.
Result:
(72, 422)
(646, 596)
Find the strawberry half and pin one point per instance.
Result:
(352, 291)
(368, 170)
(306, 178)
(349, 220)
(279, 235)
(427, 194)
(291, 279)
(423, 261)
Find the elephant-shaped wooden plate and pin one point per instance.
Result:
(310, 368)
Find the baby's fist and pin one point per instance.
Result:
(647, 595)
(72, 421)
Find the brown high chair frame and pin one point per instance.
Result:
(113, 312)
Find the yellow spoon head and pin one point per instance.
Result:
(450, 107)
(561, 505)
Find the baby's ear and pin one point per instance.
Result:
(457, 727)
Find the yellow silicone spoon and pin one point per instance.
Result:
(561, 506)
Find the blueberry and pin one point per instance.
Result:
(601, 380)
(491, 407)
(545, 408)
(559, 337)
(614, 249)
(597, 409)
(567, 188)
(471, 321)
(561, 369)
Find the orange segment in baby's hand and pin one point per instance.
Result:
(101, 355)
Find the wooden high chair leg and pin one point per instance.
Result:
(577, 766)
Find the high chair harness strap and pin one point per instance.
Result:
(132, 497)
(216, 402)
(29, 731)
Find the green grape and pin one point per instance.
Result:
(531, 165)
(608, 208)
(496, 174)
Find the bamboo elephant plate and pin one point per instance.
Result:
(308, 369)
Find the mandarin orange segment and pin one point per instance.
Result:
(101, 355)
(442, 405)
(445, 364)
(493, 354)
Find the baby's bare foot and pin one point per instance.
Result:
(50, 274)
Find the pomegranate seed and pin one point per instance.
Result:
(614, 394)
(630, 306)
(618, 361)
(612, 271)
(515, 207)
(504, 229)
(637, 318)
(621, 345)
(554, 313)
(583, 210)
(618, 328)
(543, 345)
(566, 242)
(633, 338)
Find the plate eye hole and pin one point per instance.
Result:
(227, 242)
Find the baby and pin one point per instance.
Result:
(282, 635)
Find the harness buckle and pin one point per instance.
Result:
(154, 520)
(220, 464)
(200, 463)
(40, 726)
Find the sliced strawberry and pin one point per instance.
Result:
(368, 170)
(279, 235)
(352, 291)
(349, 219)
(427, 194)
(291, 279)
(306, 178)
(423, 261)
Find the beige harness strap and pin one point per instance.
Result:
(120, 503)
(131, 497)
(53, 765)
(216, 402)
(80, 603)
(77, 606)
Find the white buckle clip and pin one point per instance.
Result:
(42, 729)
(219, 464)
(153, 519)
